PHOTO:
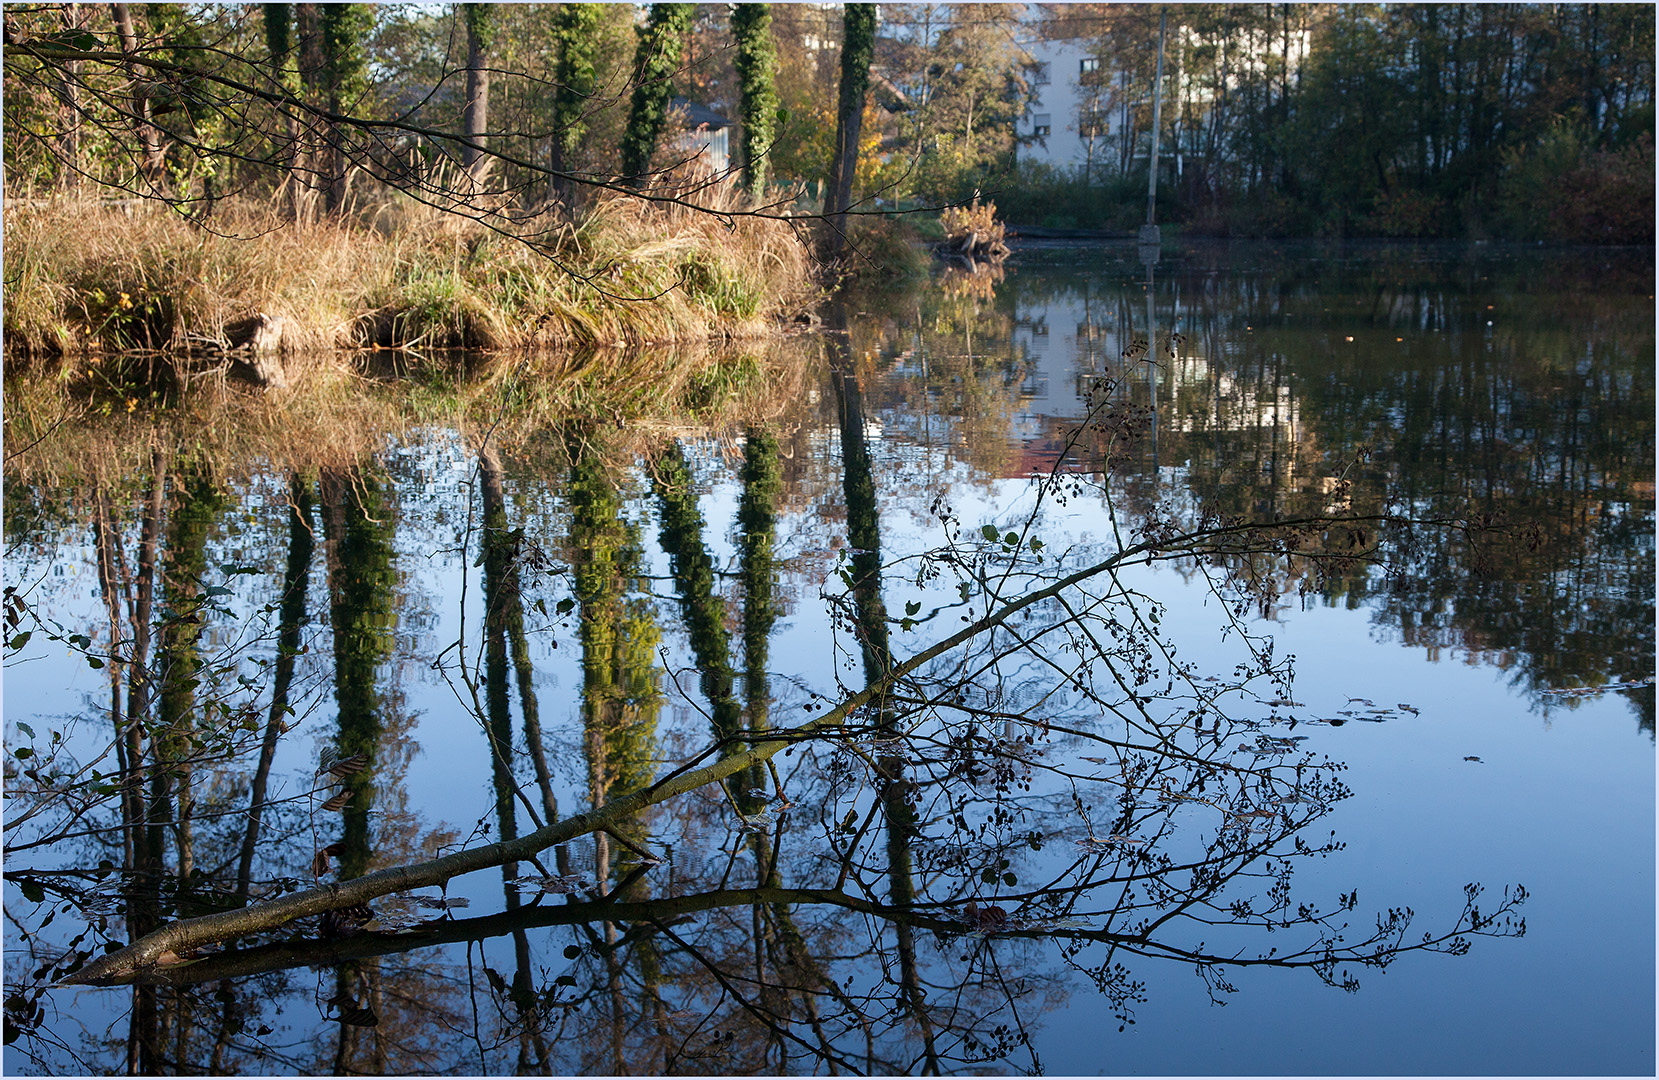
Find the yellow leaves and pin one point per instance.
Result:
(132, 404)
(125, 303)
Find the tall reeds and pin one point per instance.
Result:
(84, 279)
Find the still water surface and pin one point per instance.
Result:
(1178, 826)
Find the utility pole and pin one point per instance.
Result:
(1149, 231)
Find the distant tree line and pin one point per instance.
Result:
(1530, 121)
(1515, 120)
(493, 110)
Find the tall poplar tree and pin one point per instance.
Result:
(757, 66)
(575, 68)
(661, 44)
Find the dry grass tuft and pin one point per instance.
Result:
(84, 279)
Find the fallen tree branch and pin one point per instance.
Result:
(182, 937)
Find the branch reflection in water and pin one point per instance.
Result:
(896, 856)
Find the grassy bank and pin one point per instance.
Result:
(83, 280)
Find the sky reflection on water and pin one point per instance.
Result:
(1285, 371)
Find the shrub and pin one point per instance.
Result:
(1406, 213)
(1561, 190)
(1608, 199)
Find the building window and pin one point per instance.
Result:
(1042, 73)
(1092, 124)
(1041, 125)
(1088, 64)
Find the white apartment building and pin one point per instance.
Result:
(1079, 113)
(1071, 121)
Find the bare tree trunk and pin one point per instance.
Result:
(309, 161)
(108, 545)
(857, 48)
(288, 646)
(151, 163)
(70, 169)
(480, 22)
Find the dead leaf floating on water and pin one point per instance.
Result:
(757, 823)
(553, 883)
(442, 903)
(319, 861)
(330, 761)
(985, 920)
(1068, 922)
(351, 1013)
(1586, 691)
(348, 766)
(346, 921)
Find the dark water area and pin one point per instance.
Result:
(1371, 796)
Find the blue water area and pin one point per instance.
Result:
(1243, 803)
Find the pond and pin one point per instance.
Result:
(1245, 666)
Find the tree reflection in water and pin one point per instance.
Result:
(1055, 803)
(904, 894)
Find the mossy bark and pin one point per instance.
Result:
(656, 59)
(757, 66)
(857, 48)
